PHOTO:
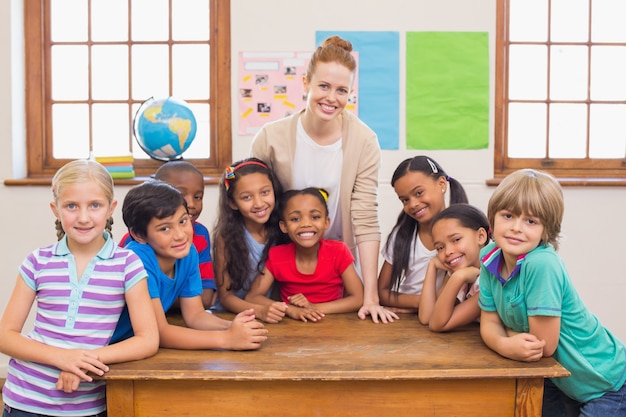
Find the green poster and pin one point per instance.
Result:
(447, 90)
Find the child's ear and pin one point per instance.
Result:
(232, 204)
(283, 226)
(136, 236)
(483, 236)
(53, 207)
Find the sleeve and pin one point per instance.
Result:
(202, 242)
(344, 257)
(134, 271)
(485, 297)
(545, 284)
(364, 204)
(191, 274)
(387, 249)
(27, 271)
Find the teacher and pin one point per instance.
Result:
(327, 147)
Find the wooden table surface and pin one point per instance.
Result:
(353, 364)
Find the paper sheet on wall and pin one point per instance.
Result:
(270, 87)
(447, 90)
(379, 80)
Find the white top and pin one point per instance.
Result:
(320, 167)
(419, 258)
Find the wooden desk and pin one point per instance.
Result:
(340, 367)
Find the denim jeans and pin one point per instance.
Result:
(12, 412)
(557, 404)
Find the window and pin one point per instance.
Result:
(90, 64)
(560, 101)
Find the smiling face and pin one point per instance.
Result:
(191, 186)
(516, 234)
(457, 246)
(328, 90)
(170, 238)
(422, 196)
(305, 220)
(253, 196)
(83, 210)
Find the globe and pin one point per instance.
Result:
(164, 128)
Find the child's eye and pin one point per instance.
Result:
(343, 91)
(265, 192)
(419, 193)
(71, 206)
(294, 219)
(317, 217)
(439, 248)
(96, 205)
(456, 239)
(404, 201)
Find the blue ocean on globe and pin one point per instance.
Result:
(164, 128)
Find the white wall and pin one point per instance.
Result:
(594, 227)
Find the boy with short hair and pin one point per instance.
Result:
(158, 220)
(188, 179)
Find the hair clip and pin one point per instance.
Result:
(229, 174)
(324, 194)
(433, 167)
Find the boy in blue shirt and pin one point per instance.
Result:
(158, 221)
(187, 179)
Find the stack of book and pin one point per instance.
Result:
(118, 166)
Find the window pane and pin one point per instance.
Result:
(568, 131)
(68, 20)
(191, 71)
(568, 73)
(109, 20)
(110, 129)
(150, 20)
(190, 20)
(528, 20)
(569, 20)
(70, 129)
(607, 136)
(608, 66)
(109, 72)
(150, 76)
(69, 72)
(527, 72)
(607, 21)
(527, 130)
(200, 146)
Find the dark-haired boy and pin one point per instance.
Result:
(158, 221)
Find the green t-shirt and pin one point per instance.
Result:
(542, 287)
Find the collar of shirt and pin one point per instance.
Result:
(494, 259)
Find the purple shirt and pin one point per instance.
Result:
(71, 313)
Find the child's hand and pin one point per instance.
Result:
(246, 333)
(523, 347)
(68, 382)
(273, 313)
(304, 314)
(468, 274)
(438, 265)
(299, 300)
(79, 362)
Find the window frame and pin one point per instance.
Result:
(40, 163)
(571, 171)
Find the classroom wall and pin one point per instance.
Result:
(593, 227)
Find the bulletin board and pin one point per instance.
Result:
(270, 88)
